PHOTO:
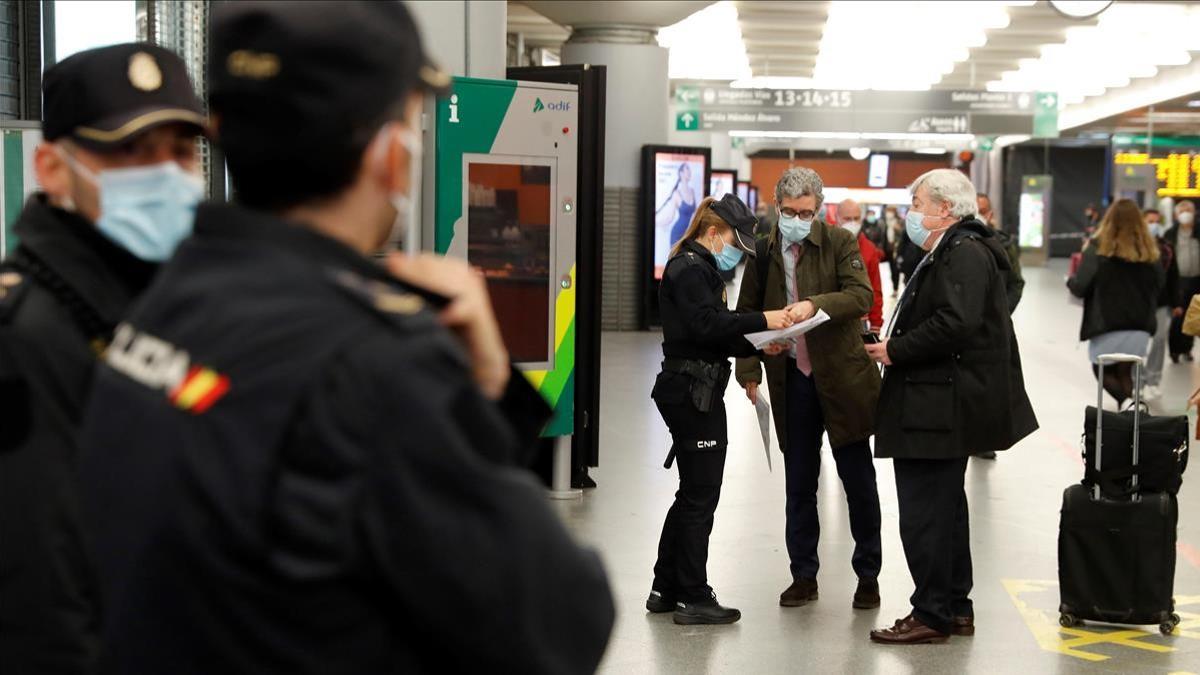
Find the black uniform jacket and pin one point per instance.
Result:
(61, 293)
(697, 321)
(289, 469)
(1117, 294)
(955, 386)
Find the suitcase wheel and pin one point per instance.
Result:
(1168, 627)
(1070, 621)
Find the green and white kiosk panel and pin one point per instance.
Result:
(505, 202)
(17, 142)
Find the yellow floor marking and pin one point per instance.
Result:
(1053, 637)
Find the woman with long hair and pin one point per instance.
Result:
(700, 334)
(1119, 280)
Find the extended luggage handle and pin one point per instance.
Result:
(1137, 362)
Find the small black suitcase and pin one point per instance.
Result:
(1116, 557)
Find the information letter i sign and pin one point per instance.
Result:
(454, 108)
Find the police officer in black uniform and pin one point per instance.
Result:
(700, 334)
(118, 192)
(294, 461)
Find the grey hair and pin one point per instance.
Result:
(950, 187)
(800, 181)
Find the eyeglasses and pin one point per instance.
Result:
(792, 213)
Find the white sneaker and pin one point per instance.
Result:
(1151, 392)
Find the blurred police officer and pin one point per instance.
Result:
(700, 333)
(290, 465)
(116, 168)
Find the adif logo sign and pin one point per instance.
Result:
(561, 106)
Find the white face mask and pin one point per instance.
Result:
(1185, 217)
(853, 227)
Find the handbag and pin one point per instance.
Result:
(1191, 320)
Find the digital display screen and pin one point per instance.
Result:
(678, 191)
(743, 191)
(1033, 219)
(721, 184)
(753, 201)
(509, 240)
(1178, 173)
(877, 175)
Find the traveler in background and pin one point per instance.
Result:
(894, 229)
(1091, 220)
(1168, 300)
(850, 218)
(1014, 281)
(296, 458)
(1184, 238)
(877, 233)
(1119, 279)
(952, 386)
(118, 176)
(700, 334)
(766, 220)
(823, 383)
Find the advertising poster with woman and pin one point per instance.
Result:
(678, 188)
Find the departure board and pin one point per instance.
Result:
(1178, 173)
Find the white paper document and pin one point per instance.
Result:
(763, 408)
(766, 337)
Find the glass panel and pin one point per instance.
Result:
(508, 237)
(85, 24)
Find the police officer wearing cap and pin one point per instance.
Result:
(117, 170)
(296, 462)
(700, 334)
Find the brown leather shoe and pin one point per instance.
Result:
(867, 595)
(800, 593)
(908, 631)
(964, 626)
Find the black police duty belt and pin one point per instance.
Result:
(708, 380)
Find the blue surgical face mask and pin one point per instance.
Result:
(728, 257)
(916, 232)
(147, 210)
(793, 229)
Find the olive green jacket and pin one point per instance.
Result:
(831, 274)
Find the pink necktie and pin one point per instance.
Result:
(802, 361)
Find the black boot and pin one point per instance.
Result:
(706, 612)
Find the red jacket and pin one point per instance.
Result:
(871, 257)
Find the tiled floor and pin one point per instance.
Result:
(1014, 523)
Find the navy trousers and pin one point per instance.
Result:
(802, 463)
(936, 533)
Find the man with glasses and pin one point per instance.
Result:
(822, 383)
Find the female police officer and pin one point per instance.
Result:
(700, 333)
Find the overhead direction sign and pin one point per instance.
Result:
(721, 107)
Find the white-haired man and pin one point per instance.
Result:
(952, 387)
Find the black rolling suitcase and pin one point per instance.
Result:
(1116, 557)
